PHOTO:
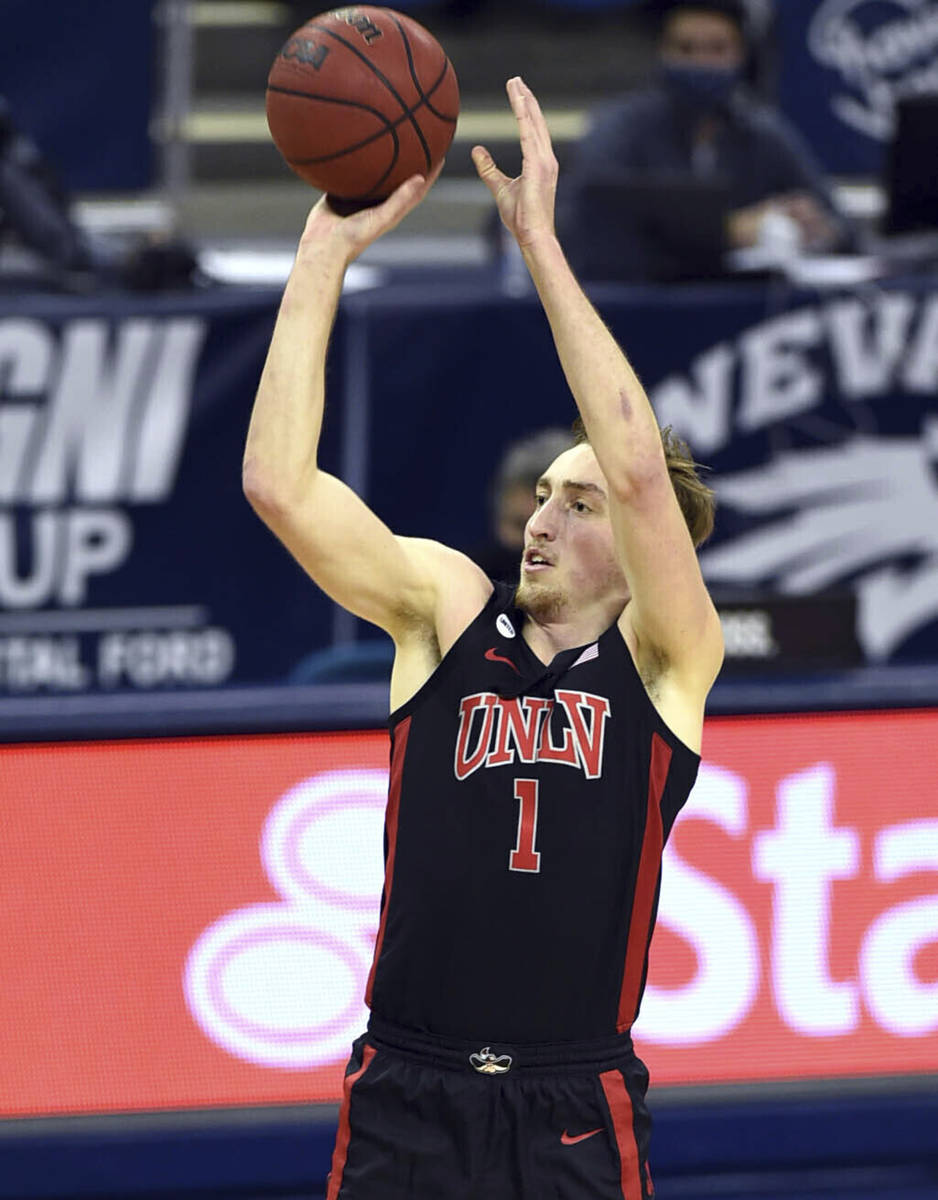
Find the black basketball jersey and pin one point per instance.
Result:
(527, 813)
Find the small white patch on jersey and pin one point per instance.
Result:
(504, 626)
(588, 654)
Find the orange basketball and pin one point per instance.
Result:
(360, 99)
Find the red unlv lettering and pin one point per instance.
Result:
(495, 732)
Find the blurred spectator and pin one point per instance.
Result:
(701, 122)
(34, 207)
(512, 500)
(35, 217)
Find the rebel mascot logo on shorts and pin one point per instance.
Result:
(487, 1063)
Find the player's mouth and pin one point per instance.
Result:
(535, 560)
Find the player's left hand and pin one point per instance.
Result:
(526, 203)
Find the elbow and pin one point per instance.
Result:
(275, 493)
(638, 479)
(633, 462)
(262, 490)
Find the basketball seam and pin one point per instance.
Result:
(424, 96)
(387, 83)
(285, 91)
(374, 187)
(436, 112)
(389, 125)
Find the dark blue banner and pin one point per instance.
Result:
(845, 63)
(815, 412)
(79, 78)
(129, 558)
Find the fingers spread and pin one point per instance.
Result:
(518, 101)
(538, 121)
(532, 127)
(484, 164)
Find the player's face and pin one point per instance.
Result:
(569, 562)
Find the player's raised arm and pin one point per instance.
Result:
(671, 614)
(346, 549)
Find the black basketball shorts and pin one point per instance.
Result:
(428, 1119)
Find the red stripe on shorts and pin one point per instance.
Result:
(390, 824)
(340, 1153)
(620, 1106)
(646, 884)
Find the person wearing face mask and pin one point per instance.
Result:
(699, 120)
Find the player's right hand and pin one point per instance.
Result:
(351, 235)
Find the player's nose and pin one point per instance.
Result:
(541, 523)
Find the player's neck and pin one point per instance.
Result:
(549, 637)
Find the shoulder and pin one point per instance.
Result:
(694, 675)
(767, 123)
(462, 593)
(677, 691)
(624, 122)
(461, 588)
(616, 136)
(645, 105)
(451, 570)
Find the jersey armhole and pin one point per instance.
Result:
(614, 632)
(497, 601)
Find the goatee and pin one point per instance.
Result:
(541, 602)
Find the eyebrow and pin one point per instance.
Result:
(574, 485)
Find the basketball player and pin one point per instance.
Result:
(542, 743)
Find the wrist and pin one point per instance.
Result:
(323, 252)
(543, 255)
(323, 238)
(545, 259)
(540, 247)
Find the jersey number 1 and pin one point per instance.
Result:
(524, 857)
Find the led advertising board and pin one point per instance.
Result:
(188, 923)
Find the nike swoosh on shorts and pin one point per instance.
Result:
(569, 1140)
